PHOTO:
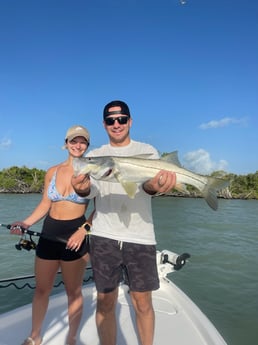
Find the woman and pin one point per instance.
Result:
(63, 243)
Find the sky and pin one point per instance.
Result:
(187, 69)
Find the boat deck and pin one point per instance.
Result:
(178, 320)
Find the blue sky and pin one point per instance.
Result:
(189, 73)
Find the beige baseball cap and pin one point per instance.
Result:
(77, 131)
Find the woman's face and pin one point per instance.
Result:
(77, 146)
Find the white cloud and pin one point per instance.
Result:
(200, 161)
(5, 143)
(222, 123)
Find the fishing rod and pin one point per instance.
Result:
(24, 231)
(30, 244)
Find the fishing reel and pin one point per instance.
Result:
(26, 244)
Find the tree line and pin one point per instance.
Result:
(21, 180)
(25, 180)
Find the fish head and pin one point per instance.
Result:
(100, 168)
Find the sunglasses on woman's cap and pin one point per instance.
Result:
(122, 120)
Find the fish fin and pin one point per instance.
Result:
(210, 197)
(129, 187)
(210, 191)
(171, 157)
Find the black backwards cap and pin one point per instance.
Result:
(124, 109)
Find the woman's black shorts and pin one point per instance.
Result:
(55, 233)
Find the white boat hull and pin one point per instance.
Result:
(178, 320)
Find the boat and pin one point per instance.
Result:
(178, 320)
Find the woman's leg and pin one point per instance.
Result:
(45, 272)
(73, 273)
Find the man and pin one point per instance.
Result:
(122, 231)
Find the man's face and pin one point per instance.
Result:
(117, 127)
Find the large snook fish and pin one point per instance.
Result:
(137, 169)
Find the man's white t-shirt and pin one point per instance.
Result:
(117, 216)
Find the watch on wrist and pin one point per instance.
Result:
(87, 227)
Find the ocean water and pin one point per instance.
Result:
(221, 276)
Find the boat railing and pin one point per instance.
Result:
(167, 262)
(8, 282)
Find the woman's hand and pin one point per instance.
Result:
(17, 228)
(75, 241)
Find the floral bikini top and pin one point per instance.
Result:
(54, 195)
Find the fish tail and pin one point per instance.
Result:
(210, 191)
